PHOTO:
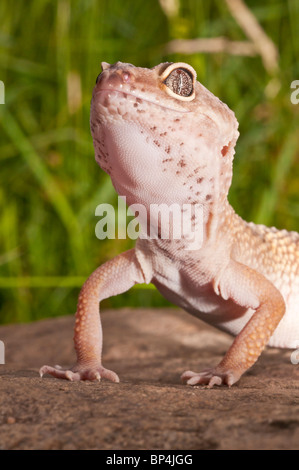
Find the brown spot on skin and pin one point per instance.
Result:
(181, 163)
(208, 197)
(153, 128)
(167, 149)
(199, 180)
(156, 142)
(224, 150)
(177, 120)
(135, 105)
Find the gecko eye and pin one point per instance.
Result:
(179, 80)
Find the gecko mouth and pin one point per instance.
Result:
(139, 100)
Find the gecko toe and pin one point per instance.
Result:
(80, 372)
(210, 377)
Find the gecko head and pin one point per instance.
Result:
(161, 131)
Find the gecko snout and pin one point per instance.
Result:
(113, 76)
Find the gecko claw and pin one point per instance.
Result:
(97, 376)
(69, 375)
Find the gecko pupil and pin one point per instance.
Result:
(180, 81)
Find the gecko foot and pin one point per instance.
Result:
(80, 372)
(210, 377)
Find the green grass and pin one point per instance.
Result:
(50, 184)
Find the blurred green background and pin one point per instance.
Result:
(50, 54)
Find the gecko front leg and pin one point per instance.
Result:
(249, 289)
(112, 278)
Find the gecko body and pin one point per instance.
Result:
(164, 138)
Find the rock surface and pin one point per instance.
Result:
(149, 408)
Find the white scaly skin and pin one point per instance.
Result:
(163, 143)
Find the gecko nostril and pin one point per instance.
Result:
(126, 76)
